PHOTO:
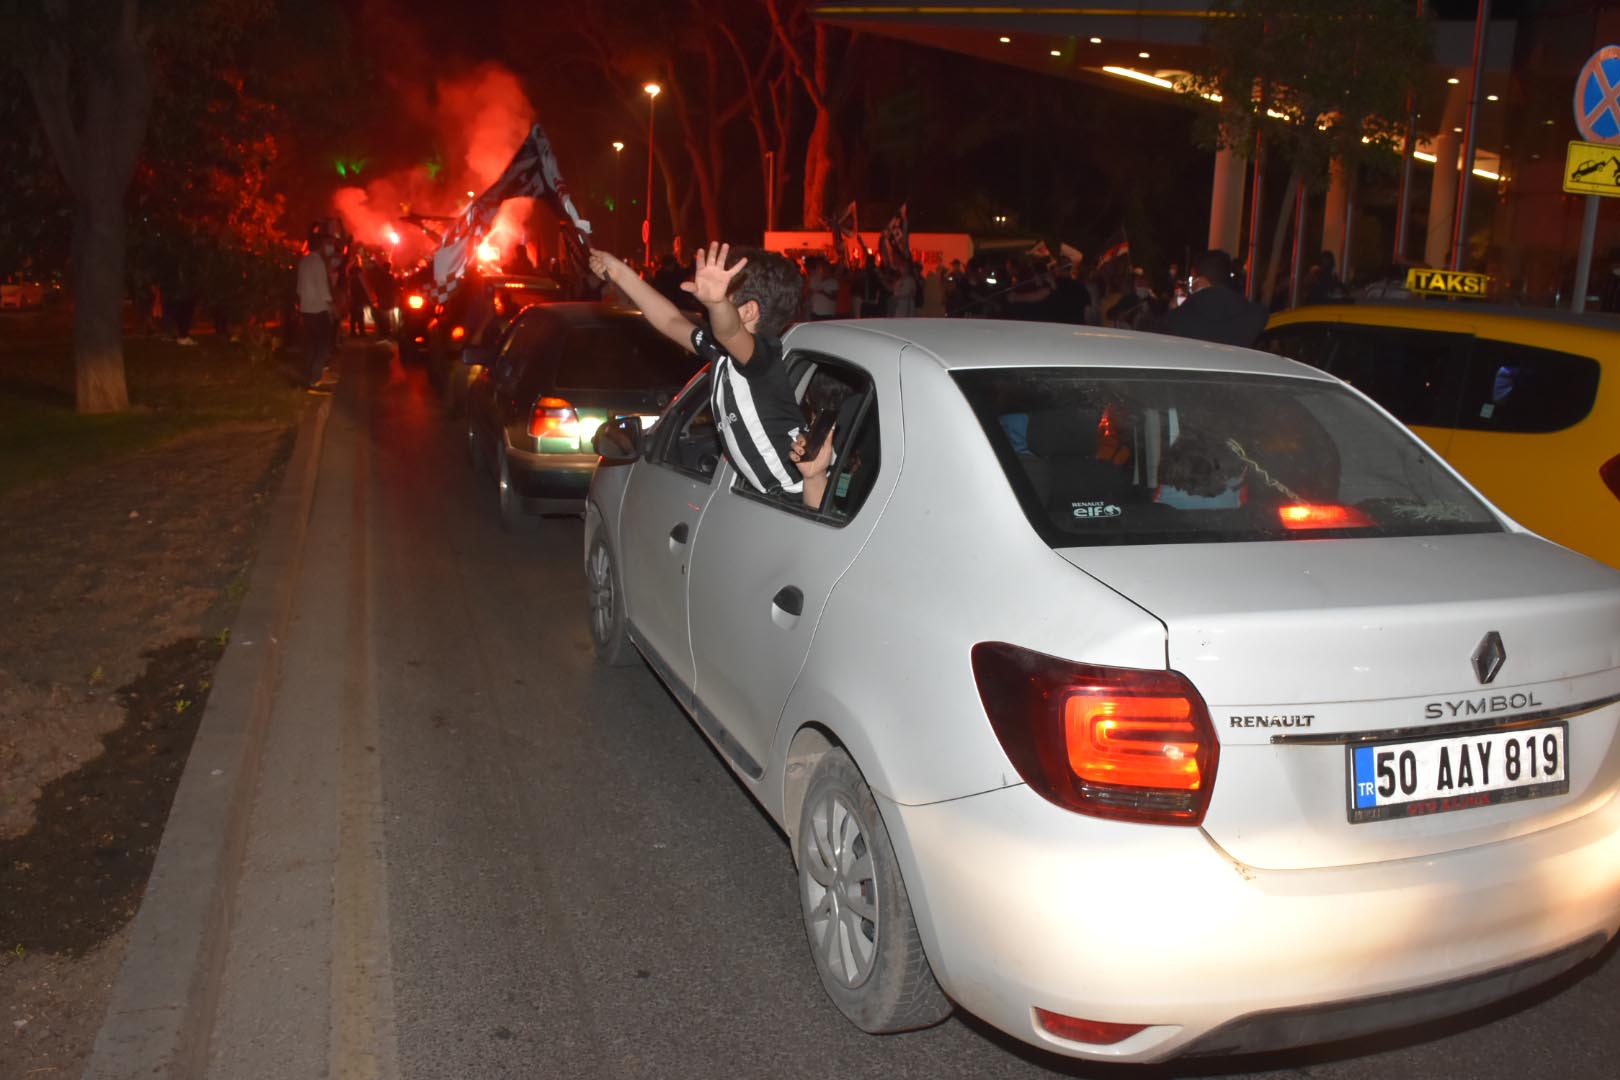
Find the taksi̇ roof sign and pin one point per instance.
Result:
(1447, 282)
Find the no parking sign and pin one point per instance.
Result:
(1597, 97)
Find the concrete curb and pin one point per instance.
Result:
(160, 1013)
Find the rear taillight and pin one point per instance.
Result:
(553, 418)
(457, 333)
(1125, 743)
(1610, 472)
(1093, 1032)
(1301, 516)
(415, 301)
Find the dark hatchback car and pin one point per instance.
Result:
(537, 398)
(477, 313)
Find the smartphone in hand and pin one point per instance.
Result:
(817, 433)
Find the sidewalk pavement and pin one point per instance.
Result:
(260, 947)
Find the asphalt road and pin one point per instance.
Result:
(541, 868)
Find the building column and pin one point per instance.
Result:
(1338, 196)
(1226, 202)
(1447, 148)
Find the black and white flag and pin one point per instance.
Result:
(531, 174)
(846, 235)
(895, 243)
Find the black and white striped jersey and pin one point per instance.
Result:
(755, 412)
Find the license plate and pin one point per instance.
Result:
(1417, 777)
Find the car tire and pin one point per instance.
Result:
(863, 934)
(514, 519)
(610, 638)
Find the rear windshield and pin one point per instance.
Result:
(1123, 457)
(623, 353)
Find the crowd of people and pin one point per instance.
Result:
(1024, 286)
(341, 280)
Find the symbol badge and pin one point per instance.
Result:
(1489, 657)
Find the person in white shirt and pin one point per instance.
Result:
(315, 308)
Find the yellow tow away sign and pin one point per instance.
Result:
(1592, 169)
(1446, 282)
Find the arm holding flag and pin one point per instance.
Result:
(665, 317)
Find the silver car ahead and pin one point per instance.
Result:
(1143, 697)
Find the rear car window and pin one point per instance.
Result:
(1412, 373)
(621, 354)
(1519, 388)
(1116, 457)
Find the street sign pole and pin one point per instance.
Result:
(1597, 118)
(1583, 262)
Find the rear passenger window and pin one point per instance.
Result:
(1306, 342)
(1519, 388)
(1412, 373)
(843, 392)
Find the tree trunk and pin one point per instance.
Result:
(817, 170)
(1269, 286)
(95, 146)
(98, 296)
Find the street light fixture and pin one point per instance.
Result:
(652, 91)
(618, 196)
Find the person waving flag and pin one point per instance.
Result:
(895, 243)
(531, 174)
(1118, 247)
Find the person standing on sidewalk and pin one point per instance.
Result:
(315, 308)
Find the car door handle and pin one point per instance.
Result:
(790, 599)
(679, 533)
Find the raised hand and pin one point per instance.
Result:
(711, 276)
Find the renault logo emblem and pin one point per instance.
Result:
(1489, 656)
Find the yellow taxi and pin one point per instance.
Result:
(1523, 402)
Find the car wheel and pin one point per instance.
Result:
(513, 517)
(862, 932)
(609, 637)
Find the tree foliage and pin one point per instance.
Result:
(1323, 79)
(205, 223)
(90, 68)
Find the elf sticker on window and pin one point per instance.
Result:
(1095, 509)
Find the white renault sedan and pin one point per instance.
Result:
(1142, 697)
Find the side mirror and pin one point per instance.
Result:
(478, 356)
(618, 440)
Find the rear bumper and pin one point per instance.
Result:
(1023, 905)
(551, 483)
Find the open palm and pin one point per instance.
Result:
(712, 277)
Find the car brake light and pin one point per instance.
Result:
(1095, 1032)
(457, 333)
(1125, 743)
(1322, 516)
(553, 418)
(1610, 472)
(415, 301)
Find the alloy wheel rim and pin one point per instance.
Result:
(840, 891)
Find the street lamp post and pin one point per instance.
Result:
(652, 90)
(618, 196)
